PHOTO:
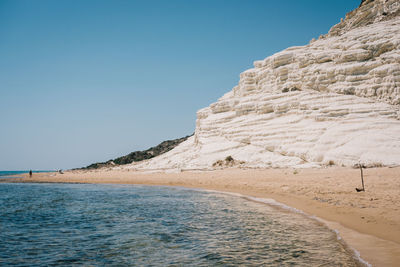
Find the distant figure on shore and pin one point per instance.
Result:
(30, 173)
(60, 171)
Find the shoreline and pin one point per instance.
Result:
(368, 222)
(328, 224)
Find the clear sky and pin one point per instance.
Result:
(87, 81)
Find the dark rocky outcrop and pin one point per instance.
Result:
(140, 155)
(365, 2)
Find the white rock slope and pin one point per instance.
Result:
(334, 101)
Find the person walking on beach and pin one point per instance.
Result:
(30, 173)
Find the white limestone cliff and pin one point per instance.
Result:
(333, 101)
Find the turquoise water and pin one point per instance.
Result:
(110, 225)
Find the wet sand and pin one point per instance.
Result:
(368, 221)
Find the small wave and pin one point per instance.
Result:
(113, 225)
(273, 202)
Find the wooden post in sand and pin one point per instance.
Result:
(362, 179)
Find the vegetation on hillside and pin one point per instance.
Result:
(140, 155)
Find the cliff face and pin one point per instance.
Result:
(369, 12)
(333, 101)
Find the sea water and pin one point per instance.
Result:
(12, 174)
(114, 225)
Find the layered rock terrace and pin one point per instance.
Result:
(335, 101)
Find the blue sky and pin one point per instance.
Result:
(87, 81)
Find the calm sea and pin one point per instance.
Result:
(109, 225)
(7, 174)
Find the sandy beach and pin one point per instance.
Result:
(367, 221)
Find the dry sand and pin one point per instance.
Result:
(368, 221)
